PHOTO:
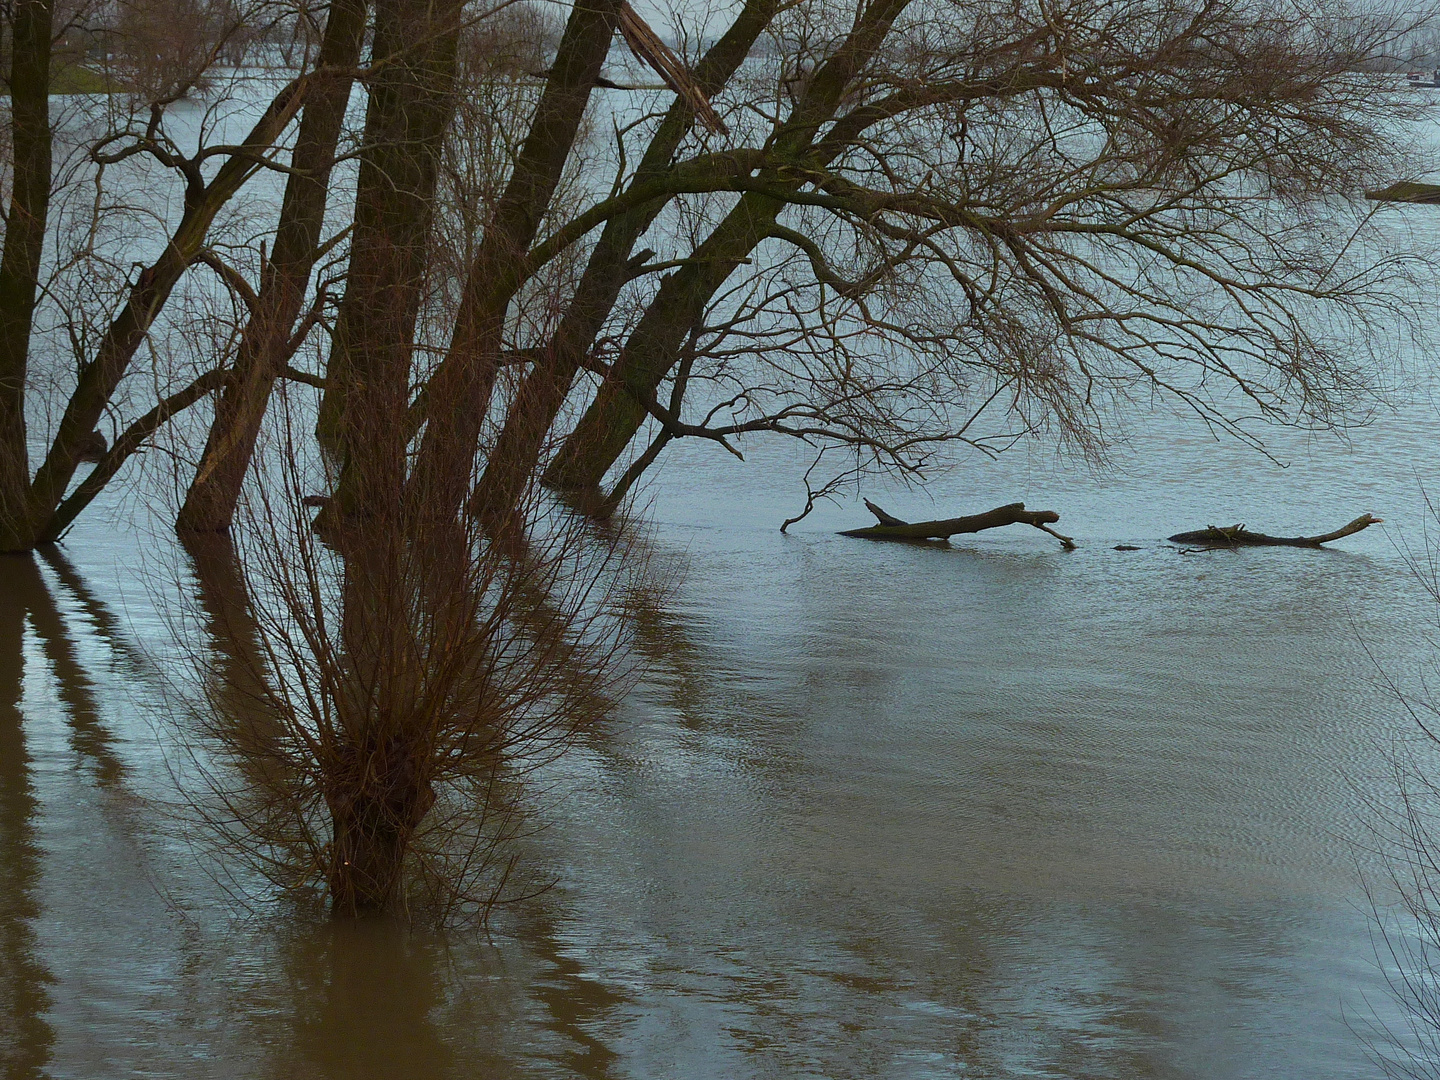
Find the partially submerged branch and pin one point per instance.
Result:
(892, 528)
(1407, 191)
(1213, 536)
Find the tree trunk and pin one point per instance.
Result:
(653, 348)
(410, 107)
(101, 375)
(618, 410)
(521, 443)
(458, 394)
(210, 503)
(377, 765)
(20, 259)
(377, 805)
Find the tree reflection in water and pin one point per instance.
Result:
(26, 1040)
(366, 995)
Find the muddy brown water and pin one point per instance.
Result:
(874, 810)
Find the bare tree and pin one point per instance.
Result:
(374, 706)
(271, 338)
(900, 226)
(888, 228)
(1033, 212)
(919, 225)
(80, 210)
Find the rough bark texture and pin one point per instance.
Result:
(379, 768)
(372, 835)
(1213, 536)
(210, 503)
(411, 103)
(20, 259)
(377, 787)
(892, 528)
(376, 807)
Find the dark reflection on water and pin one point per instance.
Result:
(27, 1039)
(300, 999)
(97, 613)
(579, 1008)
(986, 810)
(88, 733)
(235, 664)
(364, 998)
(817, 844)
(380, 999)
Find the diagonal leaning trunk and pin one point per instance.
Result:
(521, 443)
(31, 518)
(619, 408)
(265, 344)
(653, 348)
(458, 394)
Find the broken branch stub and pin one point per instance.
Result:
(650, 49)
(892, 528)
(1212, 536)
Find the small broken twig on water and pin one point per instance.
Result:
(892, 528)
(1213, 537)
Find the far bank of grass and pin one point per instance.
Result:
(75, 79)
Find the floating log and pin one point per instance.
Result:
(892, 528)
(1409, 191)
(1213, 536)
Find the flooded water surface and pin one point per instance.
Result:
(992, 809)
